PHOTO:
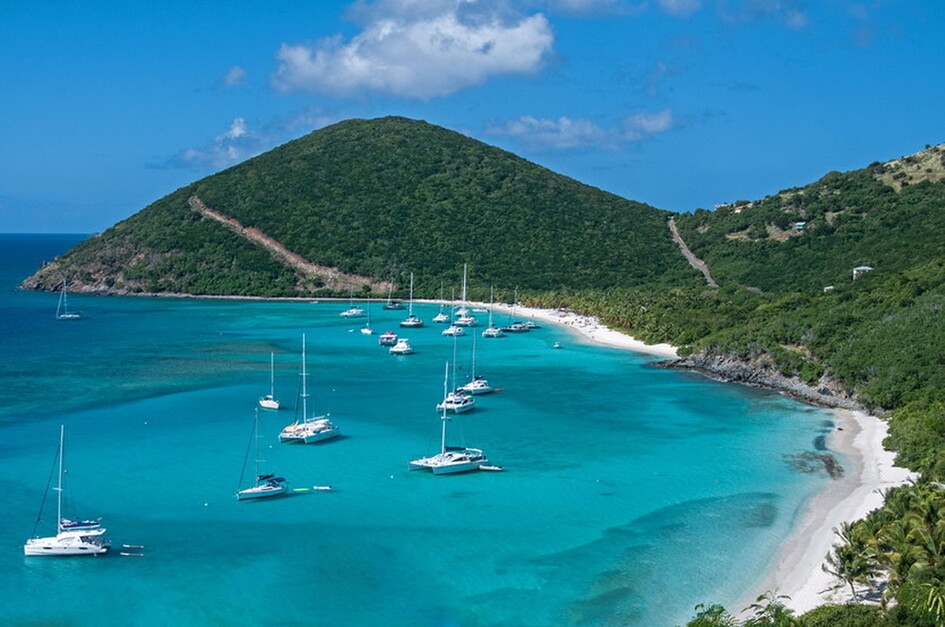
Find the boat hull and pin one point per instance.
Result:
(65, 545)
(268, 403)
(456, 467)
(456, 408)
(260, 492)
(321, 436)
(451, 462)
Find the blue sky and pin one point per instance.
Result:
(108, 106)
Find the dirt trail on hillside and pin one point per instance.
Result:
(694, 261)
(331, 277)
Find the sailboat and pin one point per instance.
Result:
(73, 537)
(478, 384)
(62, 309)
(492, 331)
(265, 485)
(411, 320)
(441, 317)
(391, 303)
(456, 401)
(451, 459)
(366, 329)
(352, 311)
(464, 319)
(269, 401)
(308, 429)
(516, 326)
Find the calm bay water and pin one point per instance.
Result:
(630, 494)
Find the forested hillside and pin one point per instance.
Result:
(811, 237)
(382, 198)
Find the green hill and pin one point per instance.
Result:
(788, 301)
(887, 216)
(375, 200)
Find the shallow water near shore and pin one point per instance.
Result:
(630, 494)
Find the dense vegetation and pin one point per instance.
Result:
(168, 248)
(808, 238)
(389, 196)
(383, 198)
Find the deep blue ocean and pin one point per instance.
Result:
(630, 494)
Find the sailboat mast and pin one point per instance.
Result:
(256, 440)
(304, 384)
(472, 373)
(446, 377)
(454, 365)
(272, 374)
(464, 285)
(410, 312)
(62, 435)
(491, 298)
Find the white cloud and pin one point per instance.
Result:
(583, 6)
(235, 77)
(559, 134)
(567, 133)
(680, 7)
(640, 125)
(787, 11)
(232, 146)
(416, 49)
(240, 142)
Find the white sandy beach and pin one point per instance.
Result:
(797, 571)
(588, 327)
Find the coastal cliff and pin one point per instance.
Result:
(761, 372)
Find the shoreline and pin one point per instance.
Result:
(795, 570)
(586, 327)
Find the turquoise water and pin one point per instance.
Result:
(630, 494)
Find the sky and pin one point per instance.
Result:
(106, 107)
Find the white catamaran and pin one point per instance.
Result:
(452, 459)
(308, 429)
(73, 537)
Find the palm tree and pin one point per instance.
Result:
(712, 616)
(769, 610)
(851, 561)
(896, 553)
(928, 599)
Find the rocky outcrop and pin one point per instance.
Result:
(761, 372)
